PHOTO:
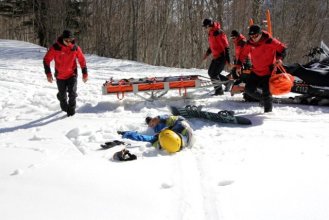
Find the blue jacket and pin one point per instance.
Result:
(172, 122)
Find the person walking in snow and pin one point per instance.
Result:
(65, 52)
(172, 133)
(239, 42)
(219, 48)
(265, 52)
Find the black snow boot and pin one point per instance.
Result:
(70, 112)
(268, 105)
(218, 91)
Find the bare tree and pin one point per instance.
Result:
(166, 32)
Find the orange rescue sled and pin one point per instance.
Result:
(156, 87)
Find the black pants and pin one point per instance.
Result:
(67, 86)
(214, 72)
(238, 78)
(253, 82)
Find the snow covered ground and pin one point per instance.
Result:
(51, 166)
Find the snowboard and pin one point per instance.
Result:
(224, 116)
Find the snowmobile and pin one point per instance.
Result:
(311, 80)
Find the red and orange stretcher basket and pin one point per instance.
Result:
(156, 86)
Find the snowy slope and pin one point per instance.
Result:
(51, 166)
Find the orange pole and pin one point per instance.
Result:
(269, 23)
(251, 21)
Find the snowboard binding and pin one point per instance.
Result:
(226, 113)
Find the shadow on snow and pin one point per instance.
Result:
(36, 123)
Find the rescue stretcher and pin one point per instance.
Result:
(157, 87)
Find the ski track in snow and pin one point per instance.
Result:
(198, 183)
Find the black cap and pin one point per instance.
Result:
(254, 29)
(207, 22)
(148, 119)
(67, 34)
(235, 33)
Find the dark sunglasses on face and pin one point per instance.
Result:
(68, 40)
(254, 35)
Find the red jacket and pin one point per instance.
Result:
(239, 43)
(263, 53)
(218, 43)
(65, 60)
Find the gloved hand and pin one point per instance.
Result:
(278, 62)
(121, 132)
(85, 77)
(124, 155)
(238, 70)
(50, 77)
(230, 66)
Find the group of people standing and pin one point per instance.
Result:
(259, 53)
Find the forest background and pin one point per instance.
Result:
(162, 32)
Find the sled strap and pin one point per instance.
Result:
(122, 96)
(281, 68)
(182, 87)
(180, 91)
(121, 82)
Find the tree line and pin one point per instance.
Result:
(161, 32)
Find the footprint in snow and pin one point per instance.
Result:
(16, 172)
(166, 185)
(225, 182)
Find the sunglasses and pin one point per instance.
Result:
(68, 40)
(254, 35)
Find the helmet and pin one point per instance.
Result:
(170, 141)
(207, 22)
(67, 34)
(281, 83)
(235, 33)
(254, 29)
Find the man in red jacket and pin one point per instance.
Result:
(264, 51)
(219, 48)
(239, 42)
(65, 53)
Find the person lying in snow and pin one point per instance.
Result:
(172, 133)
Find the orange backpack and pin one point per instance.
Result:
(280, 83)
